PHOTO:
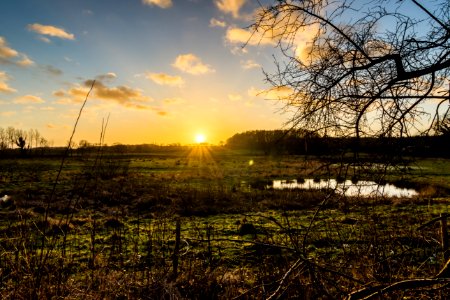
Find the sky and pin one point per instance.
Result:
(165, 70)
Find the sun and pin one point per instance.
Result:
(200, 138)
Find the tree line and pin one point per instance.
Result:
(301, 142)
(24, 140)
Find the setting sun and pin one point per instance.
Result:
(200, 138)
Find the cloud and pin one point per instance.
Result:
(174, 101)
(285, 27)
(9, 55)
(5, 51)
(45, 39)
(162, 113)
(191, 64)
(4, 87)
(50, 125)
(236, 35)
(47, 108)
(216, 23)
(273, 29)
(239, 50)
(107, 77)
(249, 64)
(25, 61)
(7, 113)
(27, 99)
(50, 30)
(59, 93)
(122, 95)
(164, 79)
(159, 3)
(52, 70)
(230, 6)
(234, 97)
(276, 93)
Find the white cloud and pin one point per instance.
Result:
(4, 87)
(5, 51)
(216, 23)
(191, 64)
(27, 99)
(284, 27)
(159, 3)
(9, 55)
(230, 6)
(164, 79)
(25, 61)
(249, 64)
(52, 31)
(45, 39)
(107, 76)
(236, 35)
(239, 50)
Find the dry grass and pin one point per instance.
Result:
(110, 233)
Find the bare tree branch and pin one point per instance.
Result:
(355, 75)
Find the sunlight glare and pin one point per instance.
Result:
(200, 138)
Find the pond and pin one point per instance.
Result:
(347, 187)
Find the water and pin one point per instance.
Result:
(347, 188)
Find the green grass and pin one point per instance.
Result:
(433, 171)
(110, 230)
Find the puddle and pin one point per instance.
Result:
(347, 188)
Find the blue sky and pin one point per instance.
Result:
(165, 70)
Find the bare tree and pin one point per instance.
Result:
(366, 68)
(11, 137)
(3, 139)
(361, 68)
(21, 140)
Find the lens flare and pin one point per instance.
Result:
(200, 138)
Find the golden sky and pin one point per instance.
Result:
(165, 70)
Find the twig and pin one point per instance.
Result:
(55, 183)
(286, 275)
(441, 217)
(411, 284)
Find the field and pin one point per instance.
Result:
(204, 223)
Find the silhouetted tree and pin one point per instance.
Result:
(11, 138)
(368, 68)
(361, 68)
(21, 142)
(442, 123)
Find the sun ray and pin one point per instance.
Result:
(200, 157)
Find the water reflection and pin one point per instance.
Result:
(347, 188)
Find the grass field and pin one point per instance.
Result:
(201, 223)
